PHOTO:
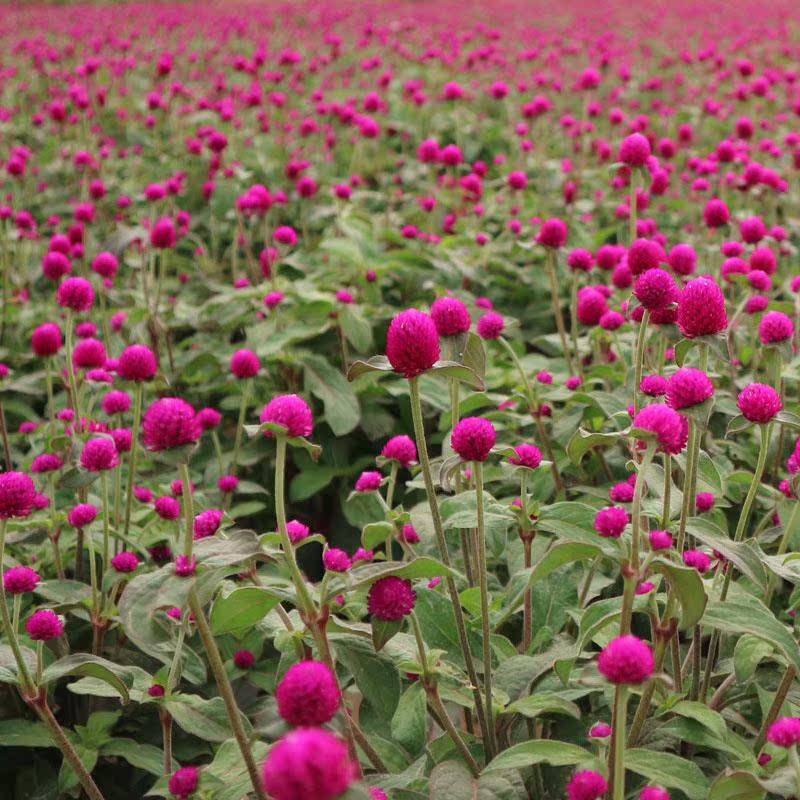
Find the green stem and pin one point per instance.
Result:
(390, 486)
(422, 451)
(665, 515)
(556, 303)
(304, 599)
(636, 522)
(175, 667)
(137, 420)
(641, 344)
(237, 442)
(689, 484)
(65, 746)
(51, 403)
(617, 751)
(788, 532)
(634, 211)
(188, 510)
(483, 582)
(73, 385)
(226, 692)
(451, 730)
(106, 521)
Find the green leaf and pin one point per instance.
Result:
(539, 751)
(668, 770)
(451, 780)
(376, 533)
(324, 381)
(143, 756)
(474, 355)
(583, 441)
(241, 609)
(738, 615)
(383, 630)
(356, 328)
(26, 733)
(748, 653)
(374, 673)
(736, 785)
(89, 666)
(8, 663)
(462, 373)
(688, 586)
(740, 554)
(206, 719)
(374, 364)
(410, 720)
(535, 705)
(228, 767)
(703, 714)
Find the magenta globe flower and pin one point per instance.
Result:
(412, 343)
(450, 316)
(473, 438)
(701, 309)
(670, 429)
(390, 599)
(759, 403)
(634, 150)
(400, 449)
(689, 387)
(290, 412)
(169, 423)
(308, 694)
(626, 660)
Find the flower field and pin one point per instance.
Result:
(400, 400)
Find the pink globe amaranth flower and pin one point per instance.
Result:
(89, 354)
(207, 522)
(169, 423)
(185, 566)
(654, 793)
(227, 483)
(621, 493)
(756, 304)
(19, 580)
(473, 438)
(490, 326)
(99, 455)
(336, 560)
(704, 501)
(116, 402)
(297, 531)
(412, 343)
(586, 785)
(376, 793)
(701, 309)
(689, 387)
(759, 403)
(17, 495)
(654, 385)
(553, 233)
(580, 260)
(611, 321)
(716, 213)
(450, 316)
(156, 690)
(600, 730)
(125, 562)
(626, 660)
(162, 235)
(369, 481)
(245, 364)
(105, 264)
(391, 599)
(670, 428)
(46, 462)
(137, 363)
(46, 340)
(682, 259)
(183, 782)
(610, 522)
(784, 732)
(284, 234)
(75, 294)
(634, 150)
(273, 299)
(698, 560)
(660, 540)
(591, 306)
(655, 289)
(643, 255)
(142, 494)
(306, 763)
(55, 265)
(574, 382)
(44, 625)
(401, 449)
(762, 259)
(308, 694)
(208, 418)
(752, 230)
(775, 327)
(291, 412)
(82, 515)
(168, 508)
(244, 659)
(527, 455)
(409, 534)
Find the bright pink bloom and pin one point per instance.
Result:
(626, 660)
(473, 438)
(759, 403)
(290, 412)
(412, 343)
(391, 599)
(308, 694)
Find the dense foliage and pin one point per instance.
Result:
(399, 400)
